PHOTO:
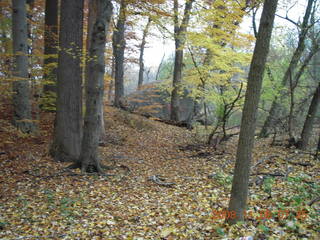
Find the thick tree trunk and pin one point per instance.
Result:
(22, 118)
(180, 39)
(50, 46)
(275, 109)
(239, 192)
(142, 46)
(101, 12)
(91, 21)
(68, 125)
(176, 83)
(119, 44)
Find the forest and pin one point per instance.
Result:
(160, 119)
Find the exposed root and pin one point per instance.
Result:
(160, 181)
(317, 199)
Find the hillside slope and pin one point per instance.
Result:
(160, 185)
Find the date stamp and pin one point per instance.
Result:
(263, 214)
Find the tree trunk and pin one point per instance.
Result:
(50, 46)
(239, 192)
(91, 21)
(68, 124)
(160, 65)
(101, 12)
(180, 39)
(31, 37)
(177, 79)
(119, 44)
(275, 109)
(111, 81)
(142, 46)
(315, 102)
(22, 117)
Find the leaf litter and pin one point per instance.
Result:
(40, 200)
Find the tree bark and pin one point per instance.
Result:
(313, 108)
(239, 192)
(180, 39)
(276, 106)
(22, 117)
(142, 46)
(119, 44)
(101, 12)
(91, 21)
(50, 46)
(68, 123)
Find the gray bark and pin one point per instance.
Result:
(313, 108)
(180, 39)
(50, 45)
(239, 192)
(142, 46)
(119, 44)
(293, 85)
(91, 21)
(22, 117)
(68, 124)
(308, 124)
(275, 110)
(101, 11)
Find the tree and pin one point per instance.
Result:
(219, 56)
(313, 108)
(68, 122)
(50, 45)
(101, 12)
(274, 111)
(119, 44)
(22, 117)
(142, 46)
(180, 40)
(92, 15)
(308, 124)
(239, 192)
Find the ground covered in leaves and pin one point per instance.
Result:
(161, 184)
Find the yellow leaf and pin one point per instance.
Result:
(166, 232)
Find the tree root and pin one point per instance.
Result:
(268, 174)
(301, 163)
(266, 158)
(317, 199)
(160, 181)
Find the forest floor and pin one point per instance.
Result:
(163, 184)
